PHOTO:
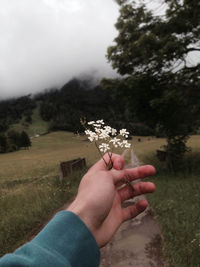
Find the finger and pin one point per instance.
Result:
(126, 192)
(132, 211)
(118, 162)
(133, 174)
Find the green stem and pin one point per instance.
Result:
(101, 154)
(129, 184)
(110, 164)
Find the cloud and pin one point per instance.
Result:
(46, 42)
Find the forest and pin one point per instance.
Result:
(64, 107)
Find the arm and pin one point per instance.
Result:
(72, 238)
(64, 242)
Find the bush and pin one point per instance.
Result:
(140, 129)
(24, 140)
(3, 143)
(13, 141)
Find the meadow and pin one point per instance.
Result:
(176, 206)
(30, 191)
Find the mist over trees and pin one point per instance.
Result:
(62, 108)
(160, 85)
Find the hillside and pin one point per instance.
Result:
(61, 109)
(37, 127)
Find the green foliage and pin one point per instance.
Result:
(160, 85)
(24, 140)
(3, 125)
(13, 141)
(12, 110)
(173, 152)
(61, 109)
(148, 43)
(3, 143)
(77, 99)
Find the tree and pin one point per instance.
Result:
(152, 53)
(24, 140)
(3, 143)
(12, 110)
(3, 125)
(13, 140)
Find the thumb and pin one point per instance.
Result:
(117, 161)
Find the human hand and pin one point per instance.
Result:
(99, 199)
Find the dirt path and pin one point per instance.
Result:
(137, 242)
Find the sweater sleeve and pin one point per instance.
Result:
(64, 241)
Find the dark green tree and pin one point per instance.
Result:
(24, 140)
(153, 54)
(3, 143)
(3, 125)
(13, 140)
(12, 111)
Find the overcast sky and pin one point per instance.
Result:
(44, 43)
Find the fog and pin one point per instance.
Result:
(44, 43)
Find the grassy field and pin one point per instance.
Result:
(30, 191)
(176, 204)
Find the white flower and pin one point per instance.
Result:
(120, 144)
(96, 125)
(87, 132)
(91, 135)
(104, 134)
(115, 141)
(124, 133)
(97, 130)
(126, 144)
(108, 134)
(108, 129)
(113, 131)
(91, 122)
(104, 147)
(100, 121)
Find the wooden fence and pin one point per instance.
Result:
(68, 167)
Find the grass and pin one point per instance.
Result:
(30, 191)
(176, 204)
(176, 201)
(43, 159)
(24, 207)
(29, 187)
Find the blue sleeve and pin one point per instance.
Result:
(64, 241)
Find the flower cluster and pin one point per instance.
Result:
(110, 137)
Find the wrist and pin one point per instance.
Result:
(83, 213)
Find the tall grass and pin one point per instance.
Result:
(25, 205)
(176, 203)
